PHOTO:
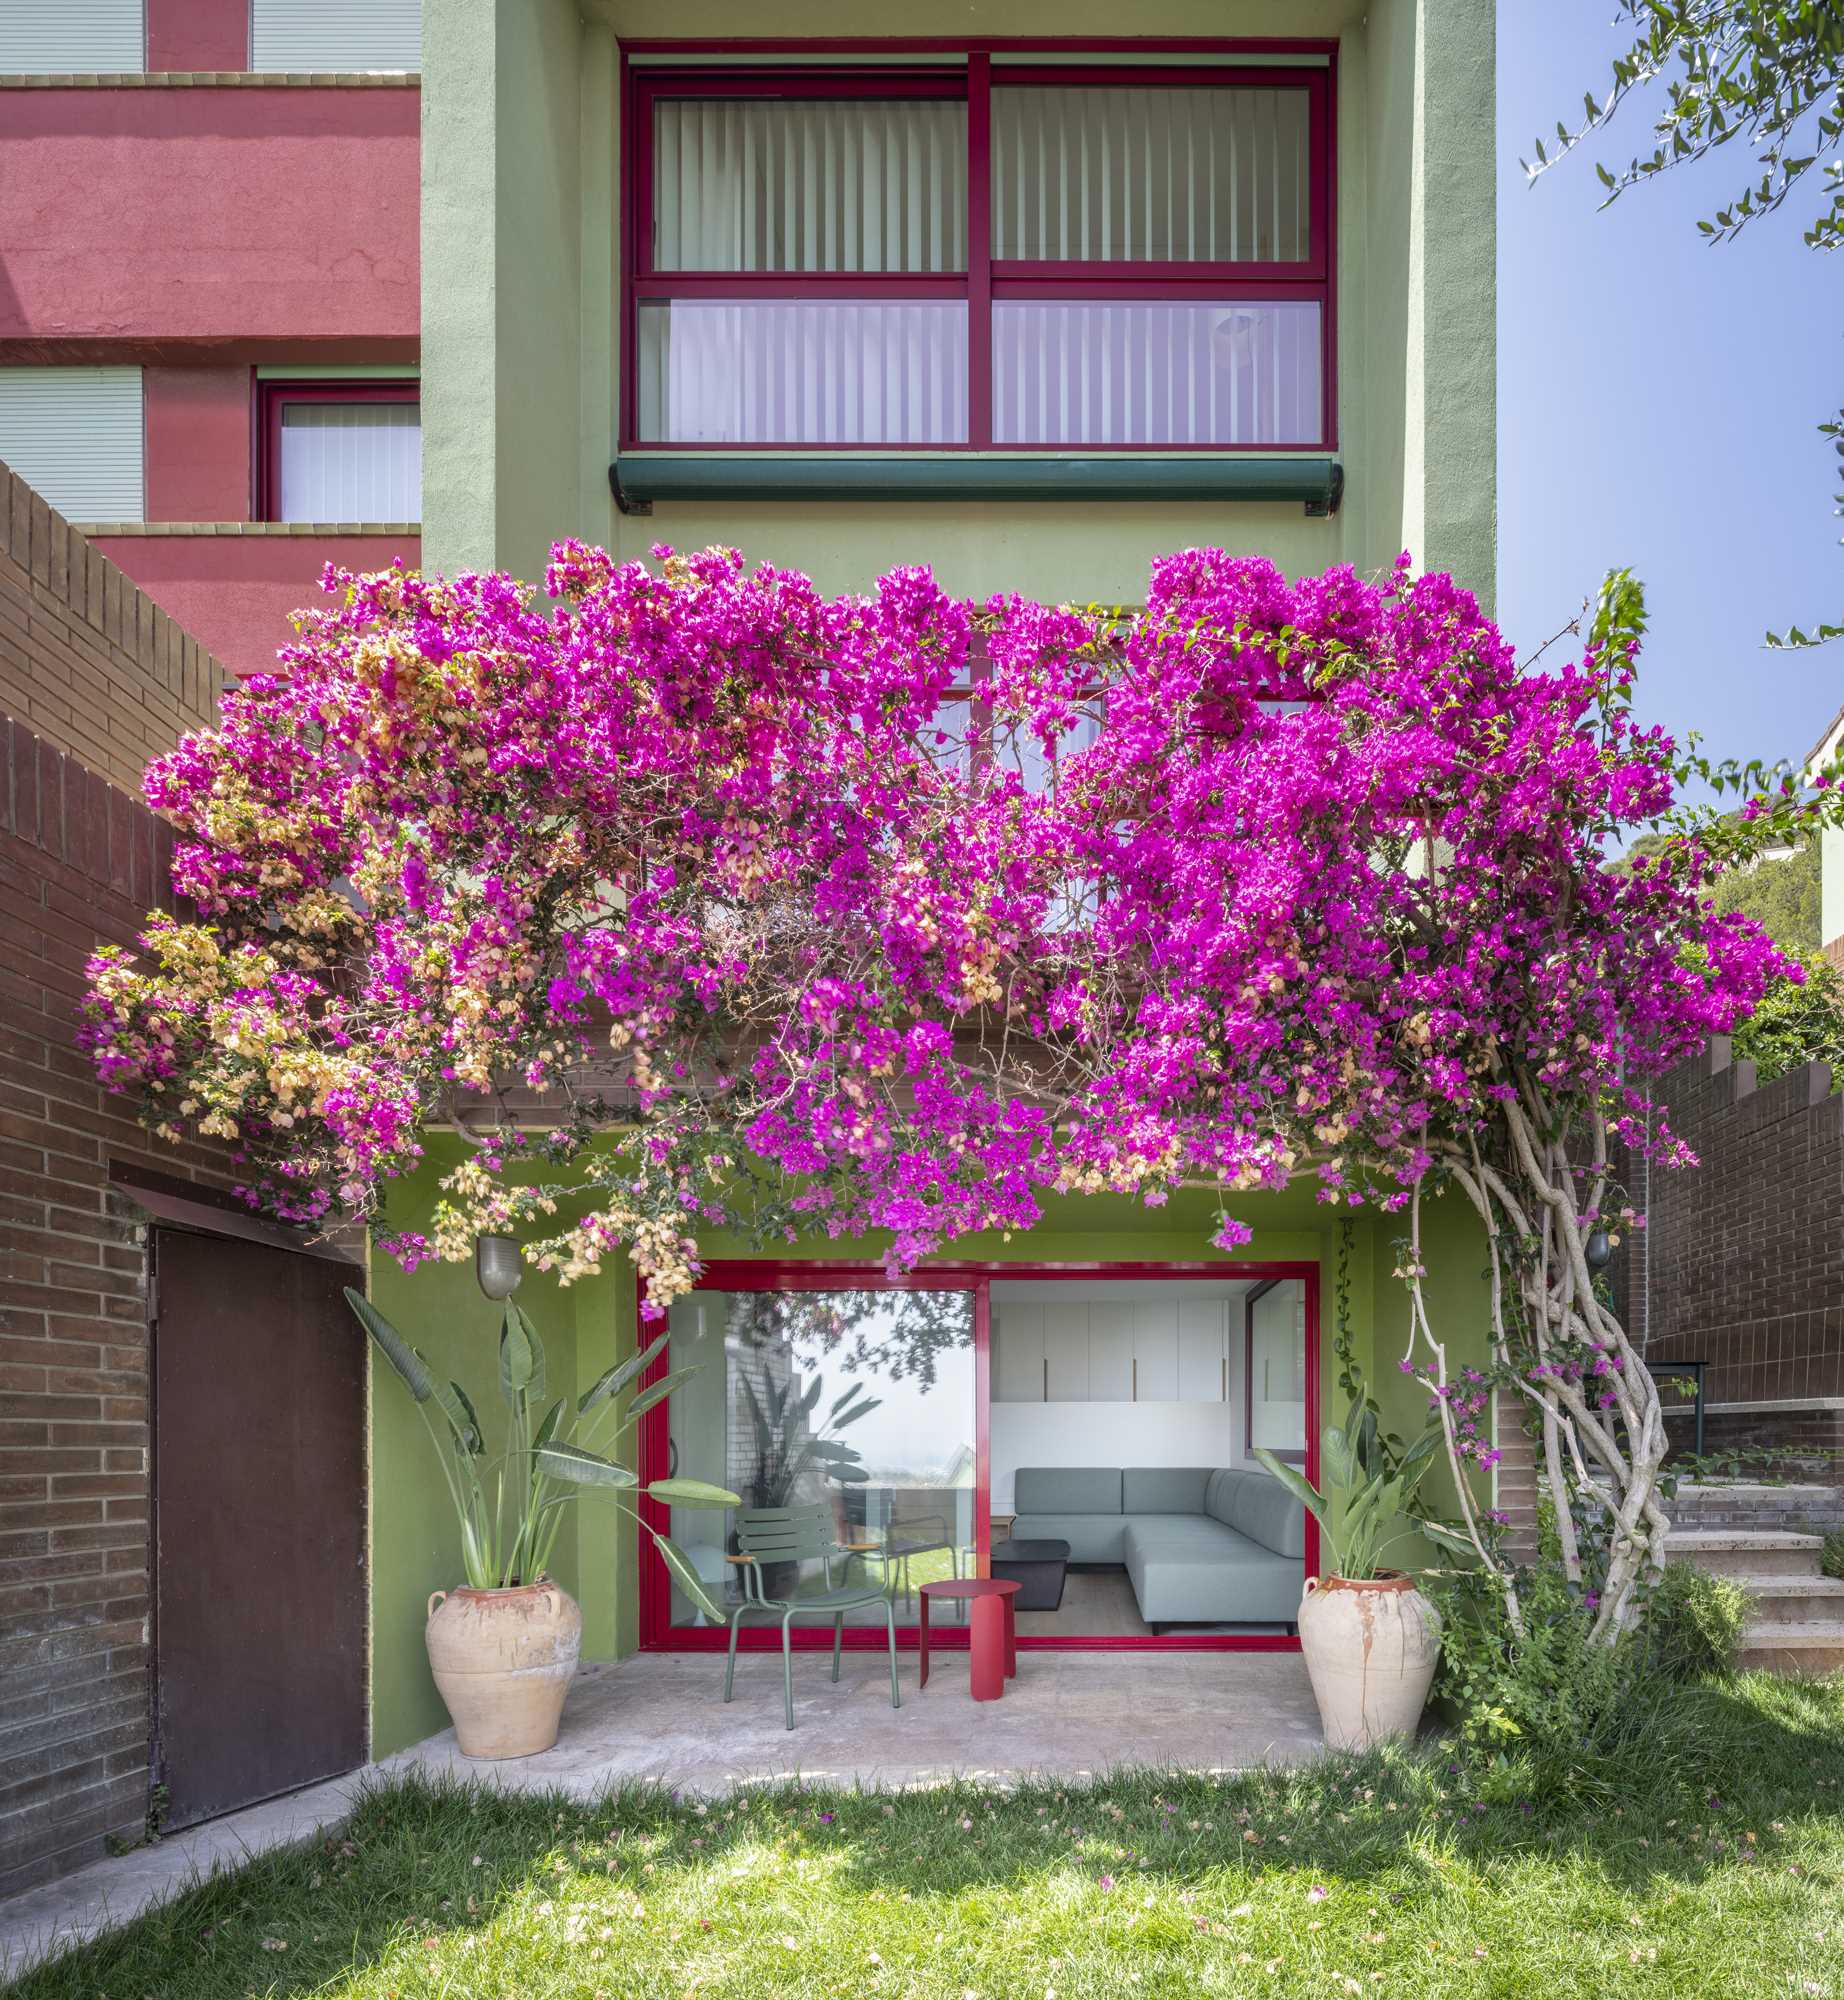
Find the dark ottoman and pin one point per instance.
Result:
(1037, 1567)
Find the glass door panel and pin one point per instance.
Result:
(860, 1401)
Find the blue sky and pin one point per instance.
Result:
(1657, 399)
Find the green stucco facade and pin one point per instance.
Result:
(521, 310)
(590, 1324)
(521, 303)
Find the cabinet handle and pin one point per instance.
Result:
(1223, 1395)
(1136, 1378)
(1046, 1378)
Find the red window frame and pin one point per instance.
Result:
(272, 398)
(985, 279)
(658, 1634)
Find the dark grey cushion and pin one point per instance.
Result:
(1066, 1489)
(1160, 1489)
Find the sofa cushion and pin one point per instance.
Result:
(1197, 1571)
(1267, 1513)
(1220, 1493)
(1154, 1489)
(1092, 1538)
(1066, 1489)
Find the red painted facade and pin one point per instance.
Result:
(201, 231)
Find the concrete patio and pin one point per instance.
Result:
(661, 1718)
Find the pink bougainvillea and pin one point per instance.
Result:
(779, 895)
(897, 914)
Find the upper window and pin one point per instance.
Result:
(72, 37)
(349, 36)
(74, 434)
(993, 257)
(342, 451)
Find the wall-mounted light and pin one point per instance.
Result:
(497, 1266)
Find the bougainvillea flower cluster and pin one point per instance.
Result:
(895, 914)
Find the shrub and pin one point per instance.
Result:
(1562, 1711)
(1831, 1562)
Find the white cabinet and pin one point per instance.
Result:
(1202, 1356)
(1155, 1354)
(1110, 1354)
(1018, 1343)
(1066, 1367)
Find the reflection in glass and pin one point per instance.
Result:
(803, 371)
(1156, 372)
(862, 1400)
(1277, 1371)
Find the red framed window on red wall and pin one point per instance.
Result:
(996, 254)
(339, 451)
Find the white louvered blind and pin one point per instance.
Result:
(1154, 176)
(784, 371)
(71, 37)
(304, 36)
(76, 435)
(755, 184)
(351, 462)
(1155, 372)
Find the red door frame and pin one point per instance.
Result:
(658, 1635)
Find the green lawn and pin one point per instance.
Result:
(1722, 1875)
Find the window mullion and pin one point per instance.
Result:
(979, 252)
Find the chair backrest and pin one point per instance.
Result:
(786, 1534)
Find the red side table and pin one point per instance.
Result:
(992, 1634)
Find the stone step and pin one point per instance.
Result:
(1793, 1649)
(1795, 1600)
(1746, 1553)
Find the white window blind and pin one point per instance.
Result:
(76, 435)
(71, 37)
(355, 36)
(763, 184)
(1152, 176)
(351, 462)
(785, 371)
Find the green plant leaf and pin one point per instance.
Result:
(548, 1428)
(459, 1412)
(396, 1350)
(849, 1475)
(1294, 1482)
(657, 1393)
(689, 1580)
(618, 1377)
(692, 1493)
(479, 1437)
(583, 1468)
(518, 1364)
(860, 1410)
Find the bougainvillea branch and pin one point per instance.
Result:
(708, 900)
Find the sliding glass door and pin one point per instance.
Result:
(852, 1397)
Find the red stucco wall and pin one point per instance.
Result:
(266, 220)
(199, 443)
(233, 593)
(198, 34)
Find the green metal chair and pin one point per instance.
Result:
(795, 1535)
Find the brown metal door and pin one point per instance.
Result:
(259, 1512)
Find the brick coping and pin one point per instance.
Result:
(119, 530)
(207, 79)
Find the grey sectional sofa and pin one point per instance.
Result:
(1200, 1546)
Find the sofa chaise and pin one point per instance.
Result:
(1200, 1546)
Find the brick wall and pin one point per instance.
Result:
(93, 680)
(1742, 1262)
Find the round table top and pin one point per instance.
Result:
(970, 1586)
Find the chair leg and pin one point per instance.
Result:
(787, 1665)
(736, 1625)
(896, 1699)
(838, 1639)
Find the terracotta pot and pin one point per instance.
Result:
(1371, 1650)
(504, 1660)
